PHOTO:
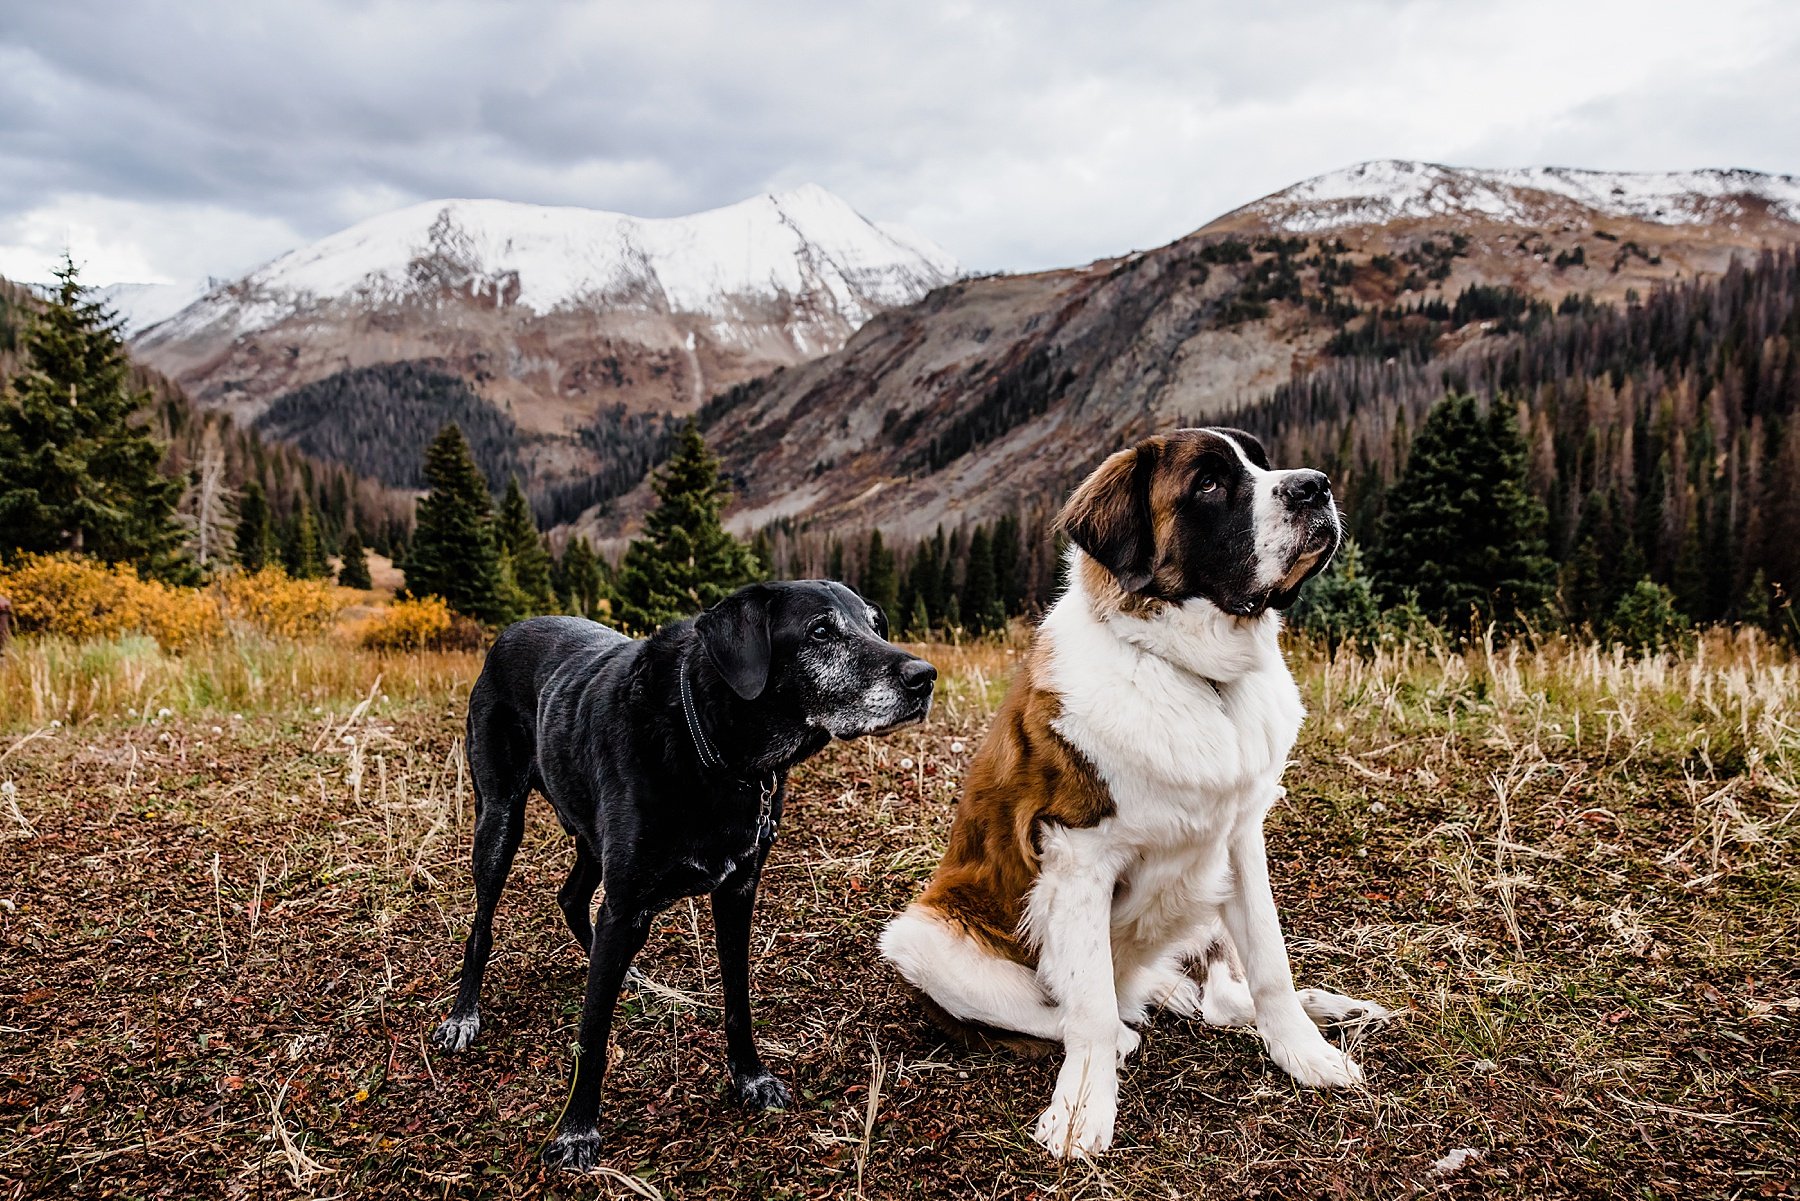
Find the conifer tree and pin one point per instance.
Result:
(581, 568)
(256, 547)
(1462, 535)
(980, 592)
(1009, 576)
(301, 552)
(527, 562)
(76, 473)
(685, 560)
(353, 571)
(880, 582)
(454, 554)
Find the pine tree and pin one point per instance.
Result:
(1462, 534)
(76, 472)
(527, 562)
(980, 592)
(685, 560)
(1009, 576)
(581, 567)
(880, 582)
(454, 554)
(353, 571)
(301, 552)
(256, 547)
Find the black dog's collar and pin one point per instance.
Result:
(710, 758)
(703, 747)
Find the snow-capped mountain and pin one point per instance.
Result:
(1388, 190)
(552, 315)
(142, 305)
(805, 246)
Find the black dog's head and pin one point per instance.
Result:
(820, 648)
(1200, 513)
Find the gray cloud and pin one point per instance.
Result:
(180, 139)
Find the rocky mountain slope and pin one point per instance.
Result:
(992, 394)
(552, 314)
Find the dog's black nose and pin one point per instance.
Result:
(1305, 489)
(917, 676)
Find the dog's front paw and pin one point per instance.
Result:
(455, 1034)
(762, 1091)
(574, 1151)
(1314, 1062)
(1076, 1127)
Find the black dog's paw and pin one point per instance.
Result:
(762, 1091)
(456, 1033)
(574, 1152)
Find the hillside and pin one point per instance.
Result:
(551, 315)
(991, 394)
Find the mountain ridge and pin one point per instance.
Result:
(553, 314)
(1038, 375)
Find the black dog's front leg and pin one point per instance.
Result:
(732, 905)
(618, 936)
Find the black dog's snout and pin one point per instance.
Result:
(917, 676)
(1305, 490)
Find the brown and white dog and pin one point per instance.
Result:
(1110, 830)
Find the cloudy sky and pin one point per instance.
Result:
(166, 141)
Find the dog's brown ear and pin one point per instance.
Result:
(1109, 516)
(735, 636)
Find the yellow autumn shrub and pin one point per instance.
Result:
(78, 598)
(275, 603)
(408, 625)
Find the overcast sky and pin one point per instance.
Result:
(167, 141)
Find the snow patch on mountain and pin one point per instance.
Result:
(805, 245)
(142, 305)
(1395, 189)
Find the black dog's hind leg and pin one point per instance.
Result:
(618, 937)
(576, 897)
(732, 904)
(500, 766)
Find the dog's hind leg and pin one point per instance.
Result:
(500, 767)
(576, 897)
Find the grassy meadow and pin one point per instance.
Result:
(235, 888)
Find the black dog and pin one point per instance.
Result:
(667, 760)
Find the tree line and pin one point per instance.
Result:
(104, 458)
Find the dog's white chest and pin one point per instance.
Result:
(1173, 742)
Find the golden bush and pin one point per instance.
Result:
(78, 598)
(275, 603)
(408, 625)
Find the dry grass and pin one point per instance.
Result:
(226, 939)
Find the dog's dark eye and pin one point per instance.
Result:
(821, 631)
(1207, 483)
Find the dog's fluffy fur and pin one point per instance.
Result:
(1110, 829)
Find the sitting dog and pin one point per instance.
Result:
(1111, 826)
(667, 760)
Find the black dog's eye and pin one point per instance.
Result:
(821, 631)
(1207, 483)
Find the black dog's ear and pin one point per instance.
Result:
(1109, 516)
(878, 618)
(735, 634)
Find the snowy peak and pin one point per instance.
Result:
(806, 247)
(1387, 190)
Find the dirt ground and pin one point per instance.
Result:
(224, 940)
